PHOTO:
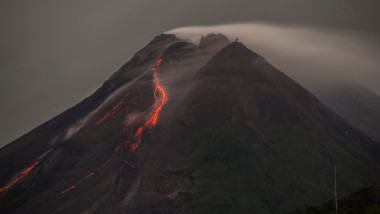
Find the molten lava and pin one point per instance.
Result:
(131, 130)
(19, 177)
(114, 110)
(155, 111)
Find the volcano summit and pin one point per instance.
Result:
(188, 128)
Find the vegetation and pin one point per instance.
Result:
(364, 201)
(229, 169)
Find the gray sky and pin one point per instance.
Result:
(55, 53)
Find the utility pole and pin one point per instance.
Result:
(336, 195)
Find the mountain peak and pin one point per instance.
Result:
(163, 38)
(234, 59)
(237, 48)
(213, 39)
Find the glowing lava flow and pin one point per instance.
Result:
(92, 173)
(163, 100)
(134, 140)
(110, 113)
(19, 177)
(117, 109)
(155, 111)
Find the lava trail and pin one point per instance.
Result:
(132, 130)
(116, 110)
(19, 177)
(135, 134)
(153, 114)
(92, 173)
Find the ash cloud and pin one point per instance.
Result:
(314, 57)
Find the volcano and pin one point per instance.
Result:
(188, 128)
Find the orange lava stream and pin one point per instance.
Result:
(133, 140)
(110, 113)
(115, 109)
(19, 177)
(155, 111)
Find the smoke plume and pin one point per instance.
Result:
(313, 57)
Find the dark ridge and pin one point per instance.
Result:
(236, 48)
(162, 37)
(234, 59)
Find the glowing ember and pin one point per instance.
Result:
(18, 178)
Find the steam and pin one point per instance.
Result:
(313, 57)
(77, 126)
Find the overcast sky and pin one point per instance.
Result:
(55, 53)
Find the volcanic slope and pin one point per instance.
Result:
(22, 152)
(186, 128)
(84, 160)
(357, 104)
(256, 140)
